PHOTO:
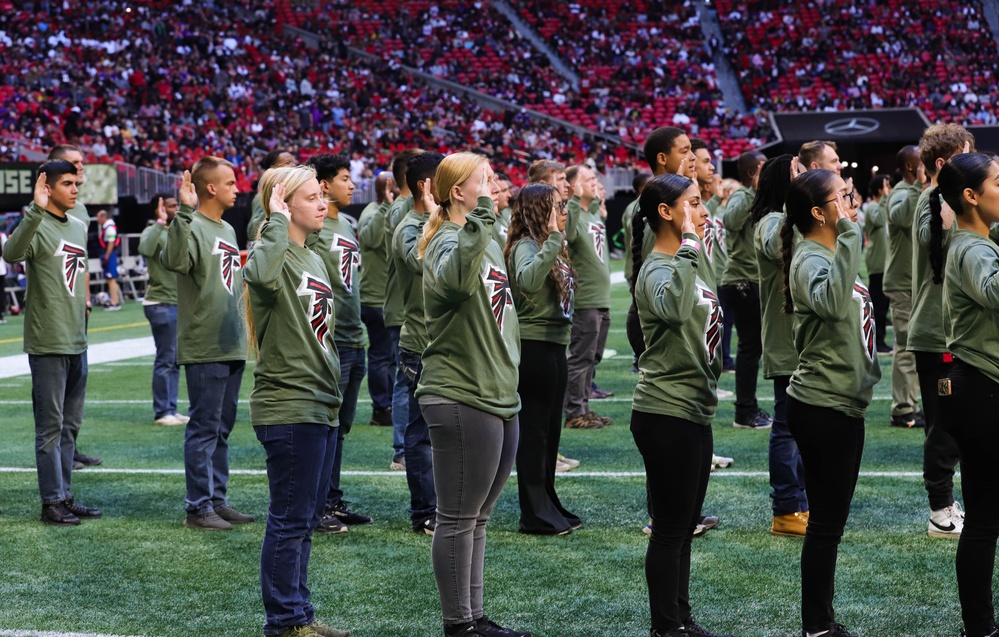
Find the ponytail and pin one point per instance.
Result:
(787, 251)
(437, 217)
(936, 236)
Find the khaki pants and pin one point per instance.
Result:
(904, 380)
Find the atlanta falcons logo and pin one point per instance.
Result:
(718, 227)
(500, 296)
(228, 261)
(596, 231)
(568, 295)
(74, 261)
(320, 305)
(714, 325)
(861, 293)
(709, 238)
(350, 259)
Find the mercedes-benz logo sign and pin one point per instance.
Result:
(852, 126)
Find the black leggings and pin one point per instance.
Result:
(831, 445)
(677, 455)
(969, 414)
(743, 299)
(542, 390)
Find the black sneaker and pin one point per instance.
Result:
(909, 421)
(839, 630)
(885, 349)
(381, 416)
(759, 420)
(348, 517)
(489, 628)
(428, 526)
(706, 523)
(232, 516)
(81, 511)
(331, 524)
(86, 461)
(692, 628)
(58, 515)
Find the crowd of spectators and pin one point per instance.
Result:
(844, 54)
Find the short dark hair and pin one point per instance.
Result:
(747, 162)
(877, 183)
(399, 164)
(328, 165)
(660, 140)
(55, 168)
(905, 154)
(640, 180)
(271, 158)
(420, 167)
(59, 151)
(696, 144)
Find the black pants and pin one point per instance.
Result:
(677, 455)
(971, 415)
(543, 377)
(874, 285)
(633, 326)
(940, 452)
(743, 298)
(831, 445)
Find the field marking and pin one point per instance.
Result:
(108, 328)
(97, 354)
(6, 632)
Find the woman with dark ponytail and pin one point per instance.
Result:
(833, 383)
(787, 478)
(969, 396)
(675, 398)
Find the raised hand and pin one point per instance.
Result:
(485, 184)
(428, 195)
(389, 193)
(42, 191)
(277, 204)
(161, 213)
(187, 194)
(577, 188)
(553, 219)
(688, 219)
(683, 169)
(716, 187)
(796, 168)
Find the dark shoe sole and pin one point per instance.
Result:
(55, 523)
(741, 426)
(197, 527)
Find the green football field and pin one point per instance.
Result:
(138, 571)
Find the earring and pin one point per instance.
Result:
(822, 223)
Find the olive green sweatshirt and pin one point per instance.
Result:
(474, 348)
(834, 325)
(162, 286)
(54, 249)
(409, 269)
(394, 307)
(205, 256)
(374, 259)
(337, 245)
(779, 356)
(587, 237)
(875, 222)
(627, 225)
(545, 315)
(901, 214)
(683, 324)
(291, 298)
(971, 301)
(257, 218)
(715, 249)
(741, 265)
(500, 229)
(80, 212)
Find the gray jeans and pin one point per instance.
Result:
(586, 348)
(58, 390)
(473, 455)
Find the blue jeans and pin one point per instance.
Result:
(382, 356)
(419, 453)
(166, 373)
(400, 401)
(299, 462)
(213, 391)
(787, 477)
(351, 375)
(58, 390)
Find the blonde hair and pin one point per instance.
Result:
(453, 171)
(293, 178)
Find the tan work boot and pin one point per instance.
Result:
(790, 525)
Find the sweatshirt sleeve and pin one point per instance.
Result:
(532, 266)
(149, 240)
(407, 238)
(736, 213)
(18, 246)
(921, 228)
(673, 296)
(457, 261)
(370, 232)
(573, 211)
(770, 241)
(829, 288)
(179, 254)
(980, 274)
(900, 208)
(262, 271)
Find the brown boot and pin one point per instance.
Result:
(790, 525)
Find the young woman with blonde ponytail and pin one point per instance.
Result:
(468, 389)
(295, 398)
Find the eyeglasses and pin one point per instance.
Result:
(562, 207)
(852, 196)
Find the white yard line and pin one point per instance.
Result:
(11, 366)
(6, 632)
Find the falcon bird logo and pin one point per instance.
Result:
(566, 300)
(861, 293)
(715, 324)
(350, 259)
(228, 261)
(709, 238)
(74, 261)
(320, 296)
(500, 296)
(596, 231)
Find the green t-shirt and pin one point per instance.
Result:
(971, 301)
(409, 270)
(545, 315)
(587, 237)
(834, 326)
(741, 265)
(474, 350)
(875, 222)
(901, 213)
(205, 256)
(394, 307)
(374, 259)
(779, 356)
(682, 323)
(54, 249)
(162, 286)
(257, 218)
(291, 298)
(337, 245)
(627, 225)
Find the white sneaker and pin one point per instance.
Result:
(724, 394)
(721, 462)
(182, 418)
(573, 463)
(561, 467)
(170, 420)
(947, 522)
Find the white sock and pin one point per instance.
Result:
(824, 632)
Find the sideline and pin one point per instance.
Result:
(17, 365)
(45, 633)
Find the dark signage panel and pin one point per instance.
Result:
(902, 125)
